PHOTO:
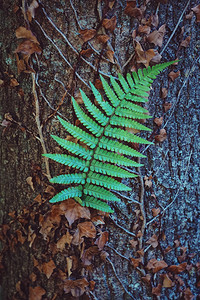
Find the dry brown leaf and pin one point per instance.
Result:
(185, 42)
(89, 254)
(48, 268)
(167, 106)
(65, 239)
(196, 10)
(142, 56)
(87, 52)
(147, 181)
(133, 11)
(31, 10)
(161, 137)
(189, 16)
(13, 82)
(153, 241)
(36, 293)
(23, 33)
(155, 211)
(97, 220)
(69, 265)
(135, 262)
(154, 20)
(173, 75)
(74, 211)
(103, 38)
(110, 55)
(29, 180)
(110, 24)
(28, 47)
(158, 121)
(147, 279)
(133, 243)
(176, 269)
(87, 34)
(20, 237)
(157, 290)
(76, 287)
(157, 58)
(188, 294)
(156, 37)
(102, 240)
(86, 229)
(156, 265)
(167, 283)
(144, 29)
(164, 93)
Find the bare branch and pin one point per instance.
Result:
(124, 229)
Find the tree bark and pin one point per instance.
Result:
(167, 185)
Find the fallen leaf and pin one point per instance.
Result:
(133, 243)
(164, 93)
(14, 82)
(20, 237)
(31, 10)
(87, 34)
(89, 254)
(102, 240)
(154, 20)
(167, 106)
(189, 16)
(110, 24)
(48, 268)
(36, 293)
(103, 38)
(23, 33)
(167, 283)
(156, 265)
(158, 121)
(147, 279)
(144, 29)
(92, 284)
(182, 257)
(65, 239)
(33, 277)
(176, 269)
(97, 220)
(188, 294)
(147, 182)
(196, 10)
(155, 211)
(135, 262)
(157, 58)
(76, 287)
(29, 180)
(176, 243)
(69, 266)
(185, 42)
(87, 52)
(157, 290)
(86, 229)
(156, 37)
(132, 11)
(161, 137)
(153, 241)
(74, 211)
(173, 75)
(110, 55)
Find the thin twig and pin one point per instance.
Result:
(142, 209)
(127, 198)
(61, 54)
(128, 60)
(37, 118)
(118, 253)
(124, 229)
(93, 295)
(171, 36)
(117, 277)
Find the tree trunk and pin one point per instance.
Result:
(39, 254)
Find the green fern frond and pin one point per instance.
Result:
(106, 156)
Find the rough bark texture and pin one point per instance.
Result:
(173, 164)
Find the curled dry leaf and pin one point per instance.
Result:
(153, 241)
(103, 38)
(28, 47)
(76, 287)
(135, 262)
(176, 269)
(110, 24)
(156, 265)
(65, 239)
(173, 75)
(86, 229)
(161, 137)
(167, 283)
(185, 42)
(157, 58)
(102, 240)
(29, 180)
(87, 52)
(110, 55)
(156, 37)
(88, 255)
(74, 211)
(164, 93)
(23, 33)
(158, 121)
(167, 106)
(48, 268)
(196, 10)
(36, 293)
(87, 34)
(157, 290)
(147, 181)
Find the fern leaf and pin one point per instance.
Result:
(109, 92)
(132, 106)
(124, 83)
(80, 134)
(123, 112)
(99, 192)
(135, 98)
(91, 125)
(95, 112)
(70, 161)
(118, 147)
(67, 193)
(109, 169)
(97, 204)
(117, 88)
(115, 158)
(74, 148)
(125, 135)
(106, 181)
(69, 178)
(121, 121)
(104, 104)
